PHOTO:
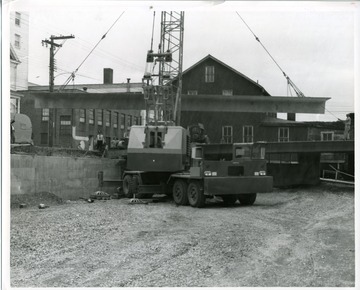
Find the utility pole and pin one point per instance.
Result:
(52, 56)
(51, 42)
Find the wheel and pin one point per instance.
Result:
(179, 193)
(128, 186)
(229, 199)
(195, 195)
(247, 199)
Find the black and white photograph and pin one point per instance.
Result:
(179, 144)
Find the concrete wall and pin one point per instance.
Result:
(66, 177)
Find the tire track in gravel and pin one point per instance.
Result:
(280, 241)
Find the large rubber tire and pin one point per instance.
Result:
(195, 195)
(128, 186)
(247, 199)
(229, 199)
(180, 192)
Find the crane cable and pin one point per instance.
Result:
(289, 81)
(72, 76)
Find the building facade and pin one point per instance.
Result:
(210, 76)
(71, 128)
(19, 53)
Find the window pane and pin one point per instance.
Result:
(91, 116)
(17, 40)
(209, 74)
(123, 117)
(45, 115)
(116, 120)
(107, 118)
(100, 117)
(82, 115)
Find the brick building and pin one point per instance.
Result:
(73, 127)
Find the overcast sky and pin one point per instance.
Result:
(313, 43)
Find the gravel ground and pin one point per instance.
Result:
(294, 237)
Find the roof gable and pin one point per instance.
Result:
(209, 56)
(13, 56)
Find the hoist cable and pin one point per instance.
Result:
(289, 81)
(72, 76)
(296, 89)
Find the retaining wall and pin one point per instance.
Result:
(66, 177)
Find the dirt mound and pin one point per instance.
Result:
(53, 151)
(35, 199)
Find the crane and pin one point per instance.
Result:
(162, 82)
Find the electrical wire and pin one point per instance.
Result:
(72, 76)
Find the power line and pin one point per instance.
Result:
(72, 76)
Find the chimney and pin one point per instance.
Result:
(128, 85)
(108, 76)
(291, 116)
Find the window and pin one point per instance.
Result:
(327, 136)
(107, 118)
(227, 92)
(209, 74)
(17, 18)
(227, 136)
(248, 134)
(283, 135)
(45, 115)
(129, 119)
(192, 92)
(91, 116)
(116, 120)
(17, 40)
(65, 120)
(100, 117)
(285, 158)
(82, 115)
(123, 117)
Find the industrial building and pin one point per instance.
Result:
(70, 128)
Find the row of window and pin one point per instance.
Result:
(102, 116)
(224, 92)
(248, 134)
(227, 134)
(17, 41)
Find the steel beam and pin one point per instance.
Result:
(208, 103)
(310, 146)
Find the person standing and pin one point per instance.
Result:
(100, 141)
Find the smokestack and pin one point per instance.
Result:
(108, 76)
(128, 85)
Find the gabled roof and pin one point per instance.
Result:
(13, 56)
(209, 56)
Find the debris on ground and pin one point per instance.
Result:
(137, 201)
(33, 199)
(100, 195)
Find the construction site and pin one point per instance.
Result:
(185, 179)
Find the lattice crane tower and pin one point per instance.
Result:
(162, 81)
